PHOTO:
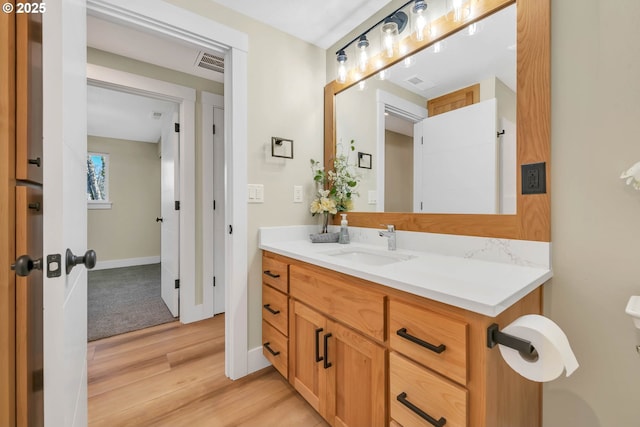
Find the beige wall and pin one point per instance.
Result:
(128, 229)
(595, 217)
(285, 98)
(398, 185)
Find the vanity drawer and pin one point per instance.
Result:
(351, 304)
(432, 339)
(275, 348)
(275, 273)
(427, 392)
(275, 309)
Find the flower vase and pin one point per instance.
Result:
(325, 222)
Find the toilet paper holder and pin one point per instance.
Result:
(524, 347)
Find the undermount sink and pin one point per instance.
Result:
(368, 256)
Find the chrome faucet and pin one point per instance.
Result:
(391, 235)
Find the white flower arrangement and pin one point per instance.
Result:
(335, 187)
(632, 176)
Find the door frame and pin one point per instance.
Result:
(185, 97)
(165, 20)
(401, 108)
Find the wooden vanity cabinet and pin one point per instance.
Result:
(335, 363)
(363, 354)
(275, 313)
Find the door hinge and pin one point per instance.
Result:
(177, 205)
(37, 380)
(421, 206)
(177, 284)
(422, 140)
(214, 129)
(214, 281)
(214, 205)
(230, 229)
(176, 127)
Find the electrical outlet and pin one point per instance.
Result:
(534, 180)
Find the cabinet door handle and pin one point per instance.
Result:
(270, 274)
(318, 357)
(436, 349)
(402, 398)
(269, 349)
(327, 364)
(271, 310)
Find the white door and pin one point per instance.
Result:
(65, 216)
(170, 225)
(218, 213)
(460, 161)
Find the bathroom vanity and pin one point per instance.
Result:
(396, 337)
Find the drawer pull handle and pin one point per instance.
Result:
(318, 357)
(327, 364)
(270, 274)
(436, 349)
(402, 398)
(271, 310)
(269, 349)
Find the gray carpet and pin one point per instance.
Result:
(125, 299)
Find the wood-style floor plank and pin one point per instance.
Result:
(173, 375)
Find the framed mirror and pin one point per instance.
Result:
(523, 216)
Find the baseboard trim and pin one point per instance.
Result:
(256, 360)
(129, 262)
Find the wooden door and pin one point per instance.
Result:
(7, 218)
(454, 100)
(306, 355)
(356, 380)
(21, 356)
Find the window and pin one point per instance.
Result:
(98, 181)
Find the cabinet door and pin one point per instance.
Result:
(306, 355)
(29, 97)
(356, 380)
(29, 315)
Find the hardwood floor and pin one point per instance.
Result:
(173, 375)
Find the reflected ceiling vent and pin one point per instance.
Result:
(419, 83)
(210, 62)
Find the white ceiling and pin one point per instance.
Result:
(115, 114)
(321, 23)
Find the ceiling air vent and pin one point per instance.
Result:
(419, 83)
(210, 62)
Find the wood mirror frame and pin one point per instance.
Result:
(533, 100)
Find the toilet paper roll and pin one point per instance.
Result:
(551, 343)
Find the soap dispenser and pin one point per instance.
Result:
(344, 231)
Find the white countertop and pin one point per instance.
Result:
(480, 286)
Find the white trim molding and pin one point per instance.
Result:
(127, 262)
(257, 360)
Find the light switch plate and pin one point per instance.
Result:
(372, 197)
(297, 194)
(255, 193)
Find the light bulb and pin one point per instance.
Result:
(437, 47)
(342, 67)
(363, 57)
(388, 43)
(457, 10)
(472, 29)
(419, 19)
